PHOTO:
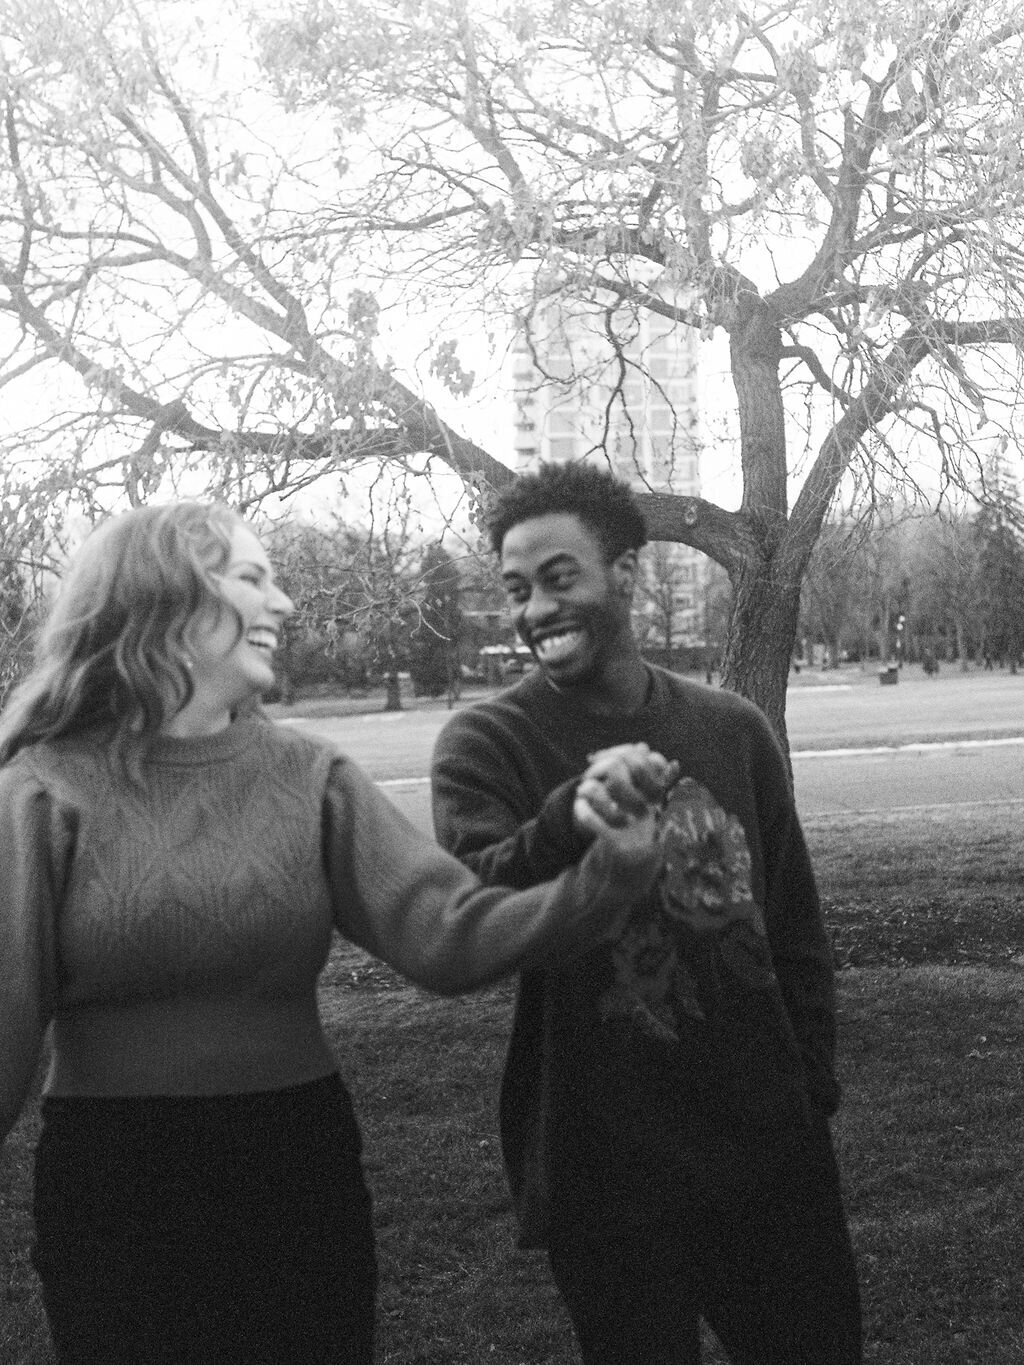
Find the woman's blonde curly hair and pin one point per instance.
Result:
(112, 655)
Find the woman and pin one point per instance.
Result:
(173, 870)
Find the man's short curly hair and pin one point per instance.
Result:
(604, 504)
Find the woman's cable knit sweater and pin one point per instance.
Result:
(173, 933)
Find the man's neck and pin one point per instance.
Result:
(622, 689)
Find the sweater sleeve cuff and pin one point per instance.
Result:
(556, 823)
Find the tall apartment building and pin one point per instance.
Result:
(633, 405)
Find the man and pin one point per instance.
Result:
(665, 1102)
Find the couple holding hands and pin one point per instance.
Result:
(624, 839)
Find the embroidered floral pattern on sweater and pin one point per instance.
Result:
(705, 926)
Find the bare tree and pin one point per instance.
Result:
(831, 588)
(175, 313)
(942, 564)
(27, 561)
(356, 589)
(667, 591)
(314, 562)
(834, 194)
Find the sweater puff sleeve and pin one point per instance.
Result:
(397, 894)
(36, 845)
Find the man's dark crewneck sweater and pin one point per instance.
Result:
(661, 1071)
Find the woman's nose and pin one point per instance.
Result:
(281, 603)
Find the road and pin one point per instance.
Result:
(953, 741)
(856, 747)
(948, 774)
(852, 710)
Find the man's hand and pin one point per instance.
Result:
(627, 782)
(627, 834)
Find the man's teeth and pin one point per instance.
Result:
(554, 646)
(262, 639)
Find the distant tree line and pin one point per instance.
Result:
(372, 605)
(378, 604)
(188, 302)
(940, 588)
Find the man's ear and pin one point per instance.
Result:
(624, 569)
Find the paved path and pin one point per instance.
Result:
(894, 779)
(852, 710)
(837, 769)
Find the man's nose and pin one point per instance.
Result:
(539, 605)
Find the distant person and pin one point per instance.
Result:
(665, 1102)
(173, 871)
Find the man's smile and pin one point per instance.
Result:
(557, 645)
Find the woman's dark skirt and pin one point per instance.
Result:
(206, 1231)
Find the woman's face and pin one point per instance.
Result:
(228, 668)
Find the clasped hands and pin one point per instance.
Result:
(621, 793)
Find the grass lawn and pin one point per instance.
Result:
(925, 917)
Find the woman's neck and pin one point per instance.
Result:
(194, 721)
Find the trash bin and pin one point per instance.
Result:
(889, 676)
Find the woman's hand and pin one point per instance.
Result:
(627, 832)
(627, 782)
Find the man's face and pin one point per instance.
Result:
(569, 605)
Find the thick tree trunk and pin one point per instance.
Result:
(961, 643)
(762, 637)
(392, 692)
(767, 567)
